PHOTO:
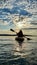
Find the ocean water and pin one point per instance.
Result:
(13, 54)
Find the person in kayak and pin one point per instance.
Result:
(20, 33)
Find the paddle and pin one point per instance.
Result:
(28, 38)
(16, 33)
(13, 31)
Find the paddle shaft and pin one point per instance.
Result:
(13, 31)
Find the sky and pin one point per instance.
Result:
(12, 11)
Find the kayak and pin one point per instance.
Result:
(19, 39)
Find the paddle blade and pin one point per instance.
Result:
(29, 39)
(12, 30)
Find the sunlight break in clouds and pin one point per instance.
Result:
(10, 8)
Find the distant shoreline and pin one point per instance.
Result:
(16, 35)
(7, 35)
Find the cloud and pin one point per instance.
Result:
(10, 8)
(4, 22)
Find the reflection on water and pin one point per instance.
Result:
(12, 54)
